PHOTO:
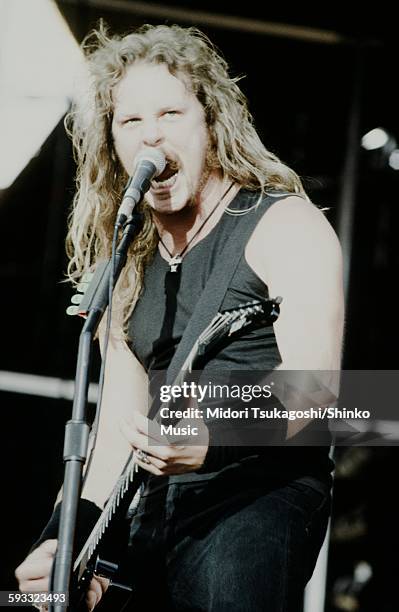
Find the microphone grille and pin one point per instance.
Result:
(154, 156)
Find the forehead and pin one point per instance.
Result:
(146, 84)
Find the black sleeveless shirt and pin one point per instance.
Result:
(164, 309)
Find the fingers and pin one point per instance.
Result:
(137, 434)
(33, 573)
(48, 546)
(163, 458)
(155, 466)
(97, 588)
(40, 585)
(37, 564)
(93, 596)
(145, 426)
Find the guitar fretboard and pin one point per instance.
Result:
(118, 494)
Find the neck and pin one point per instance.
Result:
(178, 228)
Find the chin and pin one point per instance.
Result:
(166, 206)
(171, 203)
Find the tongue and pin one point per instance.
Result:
(167, 173)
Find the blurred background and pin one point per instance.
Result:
(322, 89)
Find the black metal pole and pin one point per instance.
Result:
(77, 429)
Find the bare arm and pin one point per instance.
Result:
(297, 254)
(125, 391)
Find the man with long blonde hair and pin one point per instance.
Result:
(217, 528)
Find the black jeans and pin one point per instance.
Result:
(222, 545)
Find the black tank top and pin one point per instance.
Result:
(165, 306)
(169, 298)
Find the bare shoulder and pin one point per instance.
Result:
(294, 215)
(293, 230)
(296, 253)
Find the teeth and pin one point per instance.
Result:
(168, 183)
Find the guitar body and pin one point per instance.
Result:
(116, 598)
(114, 566)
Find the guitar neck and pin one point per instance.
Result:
(117, 505)
(119, 501)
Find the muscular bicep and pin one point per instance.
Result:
(296, 252)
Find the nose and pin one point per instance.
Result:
(152, 134)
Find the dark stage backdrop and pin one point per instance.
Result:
(300, 94)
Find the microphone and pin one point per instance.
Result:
(148, 164)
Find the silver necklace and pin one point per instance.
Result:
(175, 260)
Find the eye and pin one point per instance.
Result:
(131, 121)
(171, 113)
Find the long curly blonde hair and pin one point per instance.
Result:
(237, 148)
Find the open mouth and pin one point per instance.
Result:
(168, 177)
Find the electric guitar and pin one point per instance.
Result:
(107, 543)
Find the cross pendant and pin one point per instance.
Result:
(175, 263)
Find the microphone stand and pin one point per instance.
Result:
(77, 429)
